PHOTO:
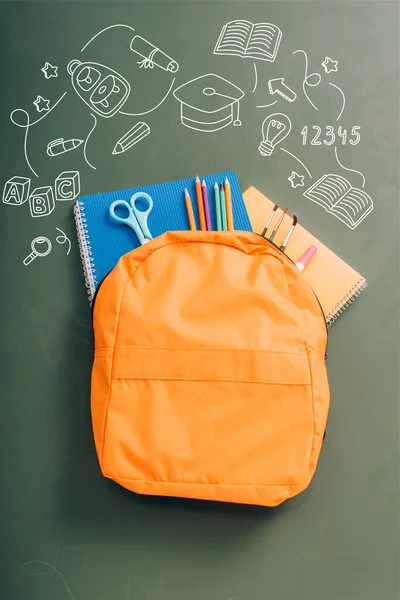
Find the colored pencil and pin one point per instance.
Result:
(217, 207)
(206, 205)
(228, 202)
(200, 206)
(223, 208)
(273, 234)
(189, 208)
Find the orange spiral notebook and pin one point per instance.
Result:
(335, 292)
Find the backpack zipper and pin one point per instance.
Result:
(316, 297)
(283, 254)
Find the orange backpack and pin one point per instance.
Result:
(209, 378)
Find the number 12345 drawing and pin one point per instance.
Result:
(329, 137)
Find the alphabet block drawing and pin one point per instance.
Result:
(41, 201)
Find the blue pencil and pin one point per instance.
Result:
(223, 208)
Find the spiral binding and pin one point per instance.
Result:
(85, 250)
(345, 302)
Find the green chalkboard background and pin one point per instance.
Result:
(66, 532)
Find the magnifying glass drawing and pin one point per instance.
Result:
(41, 246)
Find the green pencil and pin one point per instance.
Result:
(217, 207)
(223, 208)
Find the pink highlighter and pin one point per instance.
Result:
(305, 259)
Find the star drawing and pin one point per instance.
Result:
(49, 70)
(296, 180)
(330, 65)
(41, 104)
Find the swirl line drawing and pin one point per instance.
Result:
(343, 100)
(63, 238)
(347, 169)
(154, 108)
(255, 78)
(307, 78)
(86, 141)
(28, 124)
(103, 30)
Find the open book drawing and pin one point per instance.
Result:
(339, 198)
(248, 40)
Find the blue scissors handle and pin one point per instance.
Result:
(136, 218)
(142, 215)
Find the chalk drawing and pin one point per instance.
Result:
(41, 247)
(209, 103)
(131, 137)
(298, 160)
(354, 131)
(274, 129)
(42, 581)
(146, 112)
(338, 197)
(16, 191)
(28, 124)
(63, 239)
(61, 146)
(255, 78)
(310, 80)
(49, 71)
(347, 169)
(343, 100)
(41, 104)
(258, 41)
(278, 86)
(106, 29)
(267, 105)
(101, 88)
(67, 185)
(330, 66)
(152, 55)
(329, 136)
(41, 201)
(86, 142)
(296, 180)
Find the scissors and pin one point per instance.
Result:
(136, 218)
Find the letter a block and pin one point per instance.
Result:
(67, 185)
(16, 190)
(41, 201)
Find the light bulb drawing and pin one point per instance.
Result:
(275, 129)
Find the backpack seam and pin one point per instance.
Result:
(189, 483)
(111, 376)
(313, 410)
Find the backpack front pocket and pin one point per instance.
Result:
(198, 416)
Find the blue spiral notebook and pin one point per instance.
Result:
(102, 242)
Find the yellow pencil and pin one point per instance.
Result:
(190, 212)
(228, 202)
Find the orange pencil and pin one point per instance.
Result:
(189, 208)
(200, 205)
(228, 203)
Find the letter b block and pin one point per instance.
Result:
(41, 201)
(67, 185)
(16, 190)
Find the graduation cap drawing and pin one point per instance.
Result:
(209, 103)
